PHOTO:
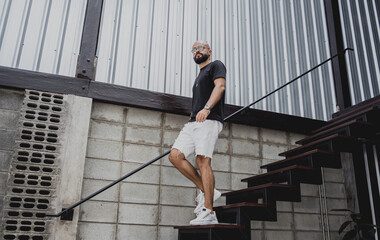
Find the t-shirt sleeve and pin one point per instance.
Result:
(218, 70)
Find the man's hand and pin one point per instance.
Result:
(202, 115)
(216, 94)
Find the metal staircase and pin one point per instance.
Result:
(344, 133)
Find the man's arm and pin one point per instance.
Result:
(217, 92)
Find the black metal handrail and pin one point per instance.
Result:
(70, 208)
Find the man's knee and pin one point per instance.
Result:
(203, 161)
(175, 156)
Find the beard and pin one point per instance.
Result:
(201, 59)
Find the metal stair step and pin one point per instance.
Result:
(210, 232)
(294, 174)
(334, 143)
(373, 102)
(269, 193)
(214, 226)
(315, 158)
(253, 211)
(355, 128)
(366, 114)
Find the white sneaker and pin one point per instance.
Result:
(204, 218)
(200, 199)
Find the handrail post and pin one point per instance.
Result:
(336, 43)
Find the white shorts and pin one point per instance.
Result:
(198, 138)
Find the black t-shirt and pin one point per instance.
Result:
(202, 89)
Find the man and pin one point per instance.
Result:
(199, 135)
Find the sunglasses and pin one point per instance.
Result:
(200, 48)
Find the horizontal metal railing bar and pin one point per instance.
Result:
(167, 152)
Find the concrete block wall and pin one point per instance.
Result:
(148, 204)
(10, 105)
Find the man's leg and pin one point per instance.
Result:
(208, 180)
(178, 160)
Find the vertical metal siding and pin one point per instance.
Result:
(264, 44)
(146, 44)
(41, 35)
(361, 31)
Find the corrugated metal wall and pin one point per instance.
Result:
(41, 35)
(146, 44)
(361, 31)
(264, 43)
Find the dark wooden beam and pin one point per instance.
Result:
(89, 43)
(334, 27)
(22, 79)
(116, 94)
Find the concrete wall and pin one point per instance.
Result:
(10, 105)
(74, 141)
(148, 204)
(43, 139)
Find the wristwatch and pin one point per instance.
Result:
(207, 107)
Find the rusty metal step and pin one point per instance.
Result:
(369, 114)
(238, 212)
(211, 232)
(333, 143)
(347, 112)
(355, 128)
(269, 193)
(315, 158)
(294, 174)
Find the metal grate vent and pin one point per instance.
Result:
(34, 169)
